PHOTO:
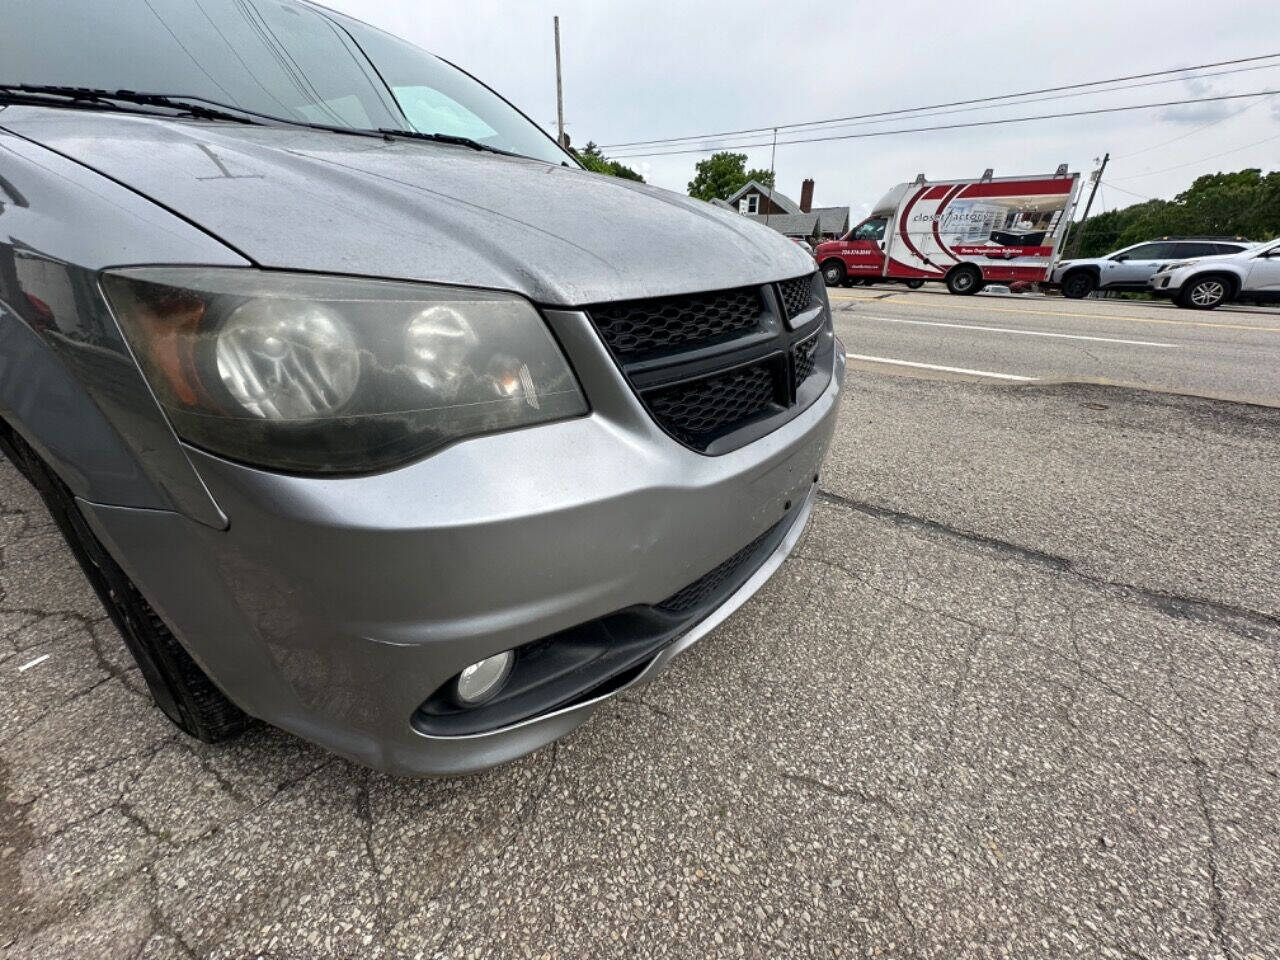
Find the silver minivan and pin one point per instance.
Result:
(366, 410)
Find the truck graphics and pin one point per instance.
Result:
(999, 230)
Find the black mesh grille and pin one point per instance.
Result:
(804, 358)
(797, 295)
(640, 326)
(709, 584)
(699, 411)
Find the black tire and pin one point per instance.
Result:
(1205, 293)
(833, 273)
(1078, 285)
(179, 687)
(914, 284)
(965, 281)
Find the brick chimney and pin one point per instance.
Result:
(806, 196)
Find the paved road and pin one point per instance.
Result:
(1231, 353)
(1017, 694)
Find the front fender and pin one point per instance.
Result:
(68, 382)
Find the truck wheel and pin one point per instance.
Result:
(1078, 285)
(1204, 293)
(964, 281)
(179, 687)
(914, 284)
(833, 273)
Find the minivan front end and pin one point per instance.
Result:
(365, 409)
(591, 549)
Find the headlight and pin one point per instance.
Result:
(332, 375)
(1170, 267)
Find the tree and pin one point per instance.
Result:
(1244, 204)
(722, 175)
(594, 160)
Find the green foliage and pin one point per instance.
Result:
(1244, 203)
(594, 160)
(722, 175)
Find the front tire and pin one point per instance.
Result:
(964, 281)
(833, 273)
(1204, 293)
(1078, 285)
(179, 687)
(914, 284)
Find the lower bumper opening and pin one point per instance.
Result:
(601, 655)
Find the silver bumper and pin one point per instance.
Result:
(332, 607)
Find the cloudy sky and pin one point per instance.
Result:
(639, 71)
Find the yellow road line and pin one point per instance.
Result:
(1062, 313)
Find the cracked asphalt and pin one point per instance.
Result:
(1015, 695)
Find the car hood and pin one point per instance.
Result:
(300, 199)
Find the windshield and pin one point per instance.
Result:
(273, 57)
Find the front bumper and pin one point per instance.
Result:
(1163, 286)
(332, 607)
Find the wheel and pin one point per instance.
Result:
(1204, 293)
(914, 284)
(1078, 285)
(964, 281)
(179, 687)
(833, 273)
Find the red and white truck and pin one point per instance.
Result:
(965, 233)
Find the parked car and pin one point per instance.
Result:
(1132, 267)
(366, 410)
(1204, 284)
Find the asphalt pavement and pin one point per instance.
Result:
(1017, 694)
(1232, 353)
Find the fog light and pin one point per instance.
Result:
(480, 681)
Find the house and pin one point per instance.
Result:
(777, 210)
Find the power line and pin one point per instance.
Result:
(937, 106)
(1067, 96)
(1140, 196)
(952, 126)
(1192, 163)
(1183, 136)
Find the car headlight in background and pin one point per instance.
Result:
(316, 374)
(1170, 267)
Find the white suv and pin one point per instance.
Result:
(1204, 284)
(1133, 267)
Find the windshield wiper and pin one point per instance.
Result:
(202, 108)
(445, 138)
(195, 107)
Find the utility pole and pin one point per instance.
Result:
(1097, 181)
(559, 91)
(772, 176)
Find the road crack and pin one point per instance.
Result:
(852, 793)
(1256, 625)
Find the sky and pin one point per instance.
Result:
(640, 71)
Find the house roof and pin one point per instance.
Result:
(781, 199)
(834, 220)
(717, 202)
(792, 224)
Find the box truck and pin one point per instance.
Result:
(964, 233)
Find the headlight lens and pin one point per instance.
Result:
(333, 375)
(1170, 267)
(287, 359)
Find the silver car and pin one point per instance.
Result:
(366, 410)
(1132, 267)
